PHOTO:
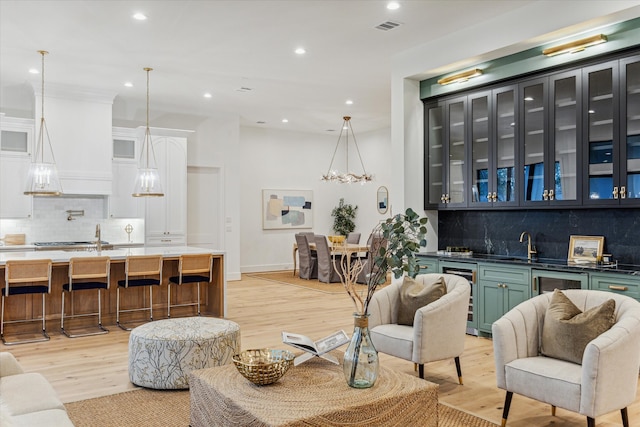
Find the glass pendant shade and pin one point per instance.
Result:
(148, 178)
(42, 178)
(347, 177)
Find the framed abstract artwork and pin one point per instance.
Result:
(284, 209)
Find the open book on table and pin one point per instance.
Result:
(317, 348)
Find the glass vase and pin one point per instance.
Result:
(360, 362)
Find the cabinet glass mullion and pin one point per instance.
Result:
(534, 141)
(563, 173)
(456, 150)
(435, 154)
(505, 146)
(630, 162)
(601, 96)
(481, 185)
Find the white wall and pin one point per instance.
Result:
(283, 160)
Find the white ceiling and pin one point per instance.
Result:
(221, 47)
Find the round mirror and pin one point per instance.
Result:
(382, 200)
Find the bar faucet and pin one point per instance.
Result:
(98, 236)
(531, 250)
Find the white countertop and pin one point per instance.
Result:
(116, 254)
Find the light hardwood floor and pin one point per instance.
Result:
(87, 367)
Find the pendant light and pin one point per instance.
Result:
(148, 179)
(348, 176)
(42, 179)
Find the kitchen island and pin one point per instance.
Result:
(30, 306)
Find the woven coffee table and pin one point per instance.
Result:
(312, 394)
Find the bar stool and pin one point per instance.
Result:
(139, 270)
(191, 269)
(85, 274)
(24, 277)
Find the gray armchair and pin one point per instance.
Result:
(606, 380)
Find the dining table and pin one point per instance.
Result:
(344, 249)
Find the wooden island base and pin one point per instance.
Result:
(19, 307)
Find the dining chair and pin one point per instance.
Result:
(139, 271)
(85, 274)
(327, 272)
(374, 243)
(308, 268)
(194, 268)
(25, 277)
(353, 238)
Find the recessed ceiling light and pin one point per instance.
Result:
(300, 51)
(140, 16)
(33, 71)
(207, 95)
(393, 5)
(285, 121)
(128, 84)
(349, 102)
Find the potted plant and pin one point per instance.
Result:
(344, 214)
(394, 250)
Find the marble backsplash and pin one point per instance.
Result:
(498, 232)
(50, 222)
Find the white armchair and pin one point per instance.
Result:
(607, 379)
(438, 330)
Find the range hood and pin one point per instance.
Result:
(79, 123)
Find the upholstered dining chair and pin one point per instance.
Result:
(438, 329)
(327, 269)
(374, 242)
(353, 238)
(308, 268)
(607, 377)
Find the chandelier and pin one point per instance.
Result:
(42, 178)
(148, 179)
(348, 176)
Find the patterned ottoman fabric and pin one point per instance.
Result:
(163, 352)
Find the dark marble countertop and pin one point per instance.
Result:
(541, 263)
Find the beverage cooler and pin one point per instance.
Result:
(468, 271)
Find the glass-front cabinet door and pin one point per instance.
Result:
(455, 113)
(630, 144)
(566, 107)
(533, 101)
(601, 134)
(434, 155)
(503, 174)
(481, 138)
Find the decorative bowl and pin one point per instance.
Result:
(263, 366)
(336, 239)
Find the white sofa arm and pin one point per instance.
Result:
(9, 365)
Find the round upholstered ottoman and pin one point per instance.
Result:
(163, 352)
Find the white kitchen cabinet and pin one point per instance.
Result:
(124, 165)
(166, 217)
(16, 143)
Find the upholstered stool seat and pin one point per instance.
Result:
(164, 352)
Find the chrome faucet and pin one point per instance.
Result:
(531, 250)
(98, 236)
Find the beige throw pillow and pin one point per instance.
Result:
(414, 295)
(567, 330)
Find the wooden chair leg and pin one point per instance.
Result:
(553, 411)
(505, 410)
(625, 417)
(591, 422)
(457, 360)
(421, 370)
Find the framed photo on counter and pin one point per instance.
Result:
(585, 248)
